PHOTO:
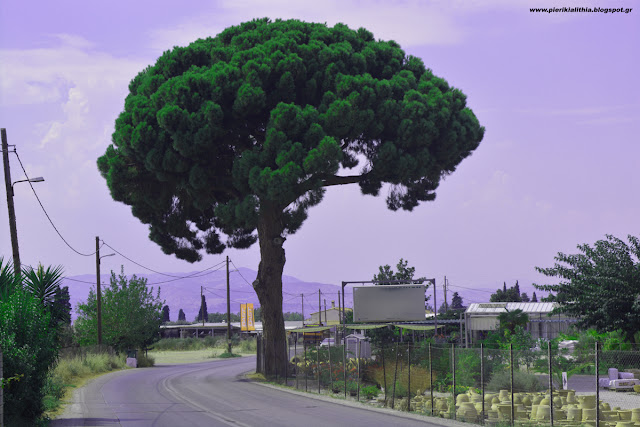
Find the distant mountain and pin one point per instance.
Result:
(183, 292)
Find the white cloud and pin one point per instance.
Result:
(83, 91)
(410, 23)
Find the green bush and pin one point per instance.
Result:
(186, 344)
(145, 361)
(370, 391)
(522, 381)
(29, 347)
(248, 345)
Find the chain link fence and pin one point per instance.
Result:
(545, 385)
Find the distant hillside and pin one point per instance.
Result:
(184, 293)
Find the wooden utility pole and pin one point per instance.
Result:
(302, 296)
(201, 306)
(326, 322)
(98, 290)
(12, 213)
(435, 309)
(319, 309)
(446, 306)
(228, 310)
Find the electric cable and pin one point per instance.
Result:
(45, 211)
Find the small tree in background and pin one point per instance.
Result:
(181, 316)
(131, 314)
(507, 294)
(165, 314)
(534, 297)
(202, 313)
(509, 320)
(456, 302)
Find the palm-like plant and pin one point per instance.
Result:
(42, 283)
(8, 280)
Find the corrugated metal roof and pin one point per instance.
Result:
(500, 307)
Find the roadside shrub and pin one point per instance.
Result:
(186, 344)
(369, 391)
(419, 378)
(522, 381)
(145, 361)
(248, 345)
(29, 347)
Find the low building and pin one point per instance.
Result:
(330, 316)
(480, 318)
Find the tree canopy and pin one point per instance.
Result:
(131, 314)
(233, 138)
(511, 294)
(599, 286)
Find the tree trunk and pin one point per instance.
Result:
(268, 287)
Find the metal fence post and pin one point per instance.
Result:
(453, 369)
(318, 362)
(513, 411)
(597, 384)
(431, 378)
(359, 355)
(384, 374)
(295, 357)
(286, 366)
(395, 380)
(330, 367)
(482, 378)
(551, 385)
(304, 348)
(409, 375)
(344, 361)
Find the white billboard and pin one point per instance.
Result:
(388, 303)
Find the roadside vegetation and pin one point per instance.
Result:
(192, 350)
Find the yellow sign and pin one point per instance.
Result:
(246, 317)
(251, 326)
(243, 317)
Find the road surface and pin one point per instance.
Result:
(208, 394)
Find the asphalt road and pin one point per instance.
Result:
(208, 394)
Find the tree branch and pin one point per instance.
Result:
(341, 180)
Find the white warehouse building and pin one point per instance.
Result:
(479, 318)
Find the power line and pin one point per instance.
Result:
(238, 270)
(159, 272)
(45, 211)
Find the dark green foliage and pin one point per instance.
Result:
(404, 272)
(522, 381)
(29, 349)
(181, 316)
(202, 312)
(131, 314)
(165, 314)
(507, 294)
(61, 308)
(222, 317)
(266, 113)
(599, 286)
(509, 320)
(524, 297)
(534, 297)
(456, 302)
(42, 283)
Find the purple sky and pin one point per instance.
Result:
(559, 95)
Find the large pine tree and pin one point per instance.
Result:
(232, 139)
